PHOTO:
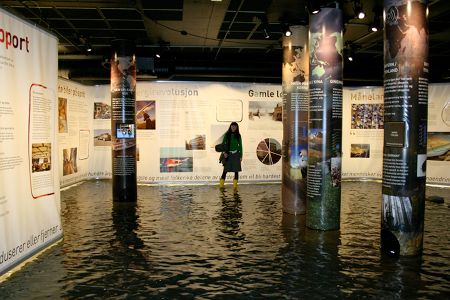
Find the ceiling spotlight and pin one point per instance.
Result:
(85, 43)
(374, 27)
(88, 47)
(358, 9)
(349, 51)
(313, 6)
(158, 55)
(286, 30)
(376, 23)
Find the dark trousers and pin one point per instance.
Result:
(224, 174)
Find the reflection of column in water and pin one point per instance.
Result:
(291, 255)
(293, 229)
(125, 223)
(322, 262)
(400, 275)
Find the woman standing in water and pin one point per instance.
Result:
(232, 142)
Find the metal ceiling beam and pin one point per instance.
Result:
(228, 29)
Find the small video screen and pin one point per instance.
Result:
(125, 131)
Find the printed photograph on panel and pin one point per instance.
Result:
(62, 115)
(102, 110)
(335, 169)
(196, 143)
(294, 64)
(438, 146)
(175, 159)
(69, 161)
(268, 151)
(367, 116)
(298, 155)
(315, 142)
(145, 114)
(325, 44)
(360, 150)
(123, 72)
(41, 157)
(406, 36)
(265, 115)
(102, 137)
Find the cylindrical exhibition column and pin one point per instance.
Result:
(325, 120)
(123, 129)
(295, 78)
(405, 126)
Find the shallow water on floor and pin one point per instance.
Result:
(185, 242)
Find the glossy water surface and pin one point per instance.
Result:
(199, 242)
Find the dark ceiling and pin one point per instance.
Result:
(211, 40)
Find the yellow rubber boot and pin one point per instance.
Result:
(235, 181)
(221, 183)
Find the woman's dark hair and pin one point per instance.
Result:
(237, 128)
(229, 132)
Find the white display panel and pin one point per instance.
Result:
(179, 123)
(438, 144)
(170, 116)
(29, 181)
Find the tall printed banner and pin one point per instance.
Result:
(405, 126)
(123, 123)
(29, 181)
(325, 120)
(295, 79)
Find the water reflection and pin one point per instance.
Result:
(293, 228)
(203, 243)
(125, 225)
(230, 219)
(323, 260)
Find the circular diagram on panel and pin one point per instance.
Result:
(269, 151)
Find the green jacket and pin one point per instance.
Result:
(235, 143)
